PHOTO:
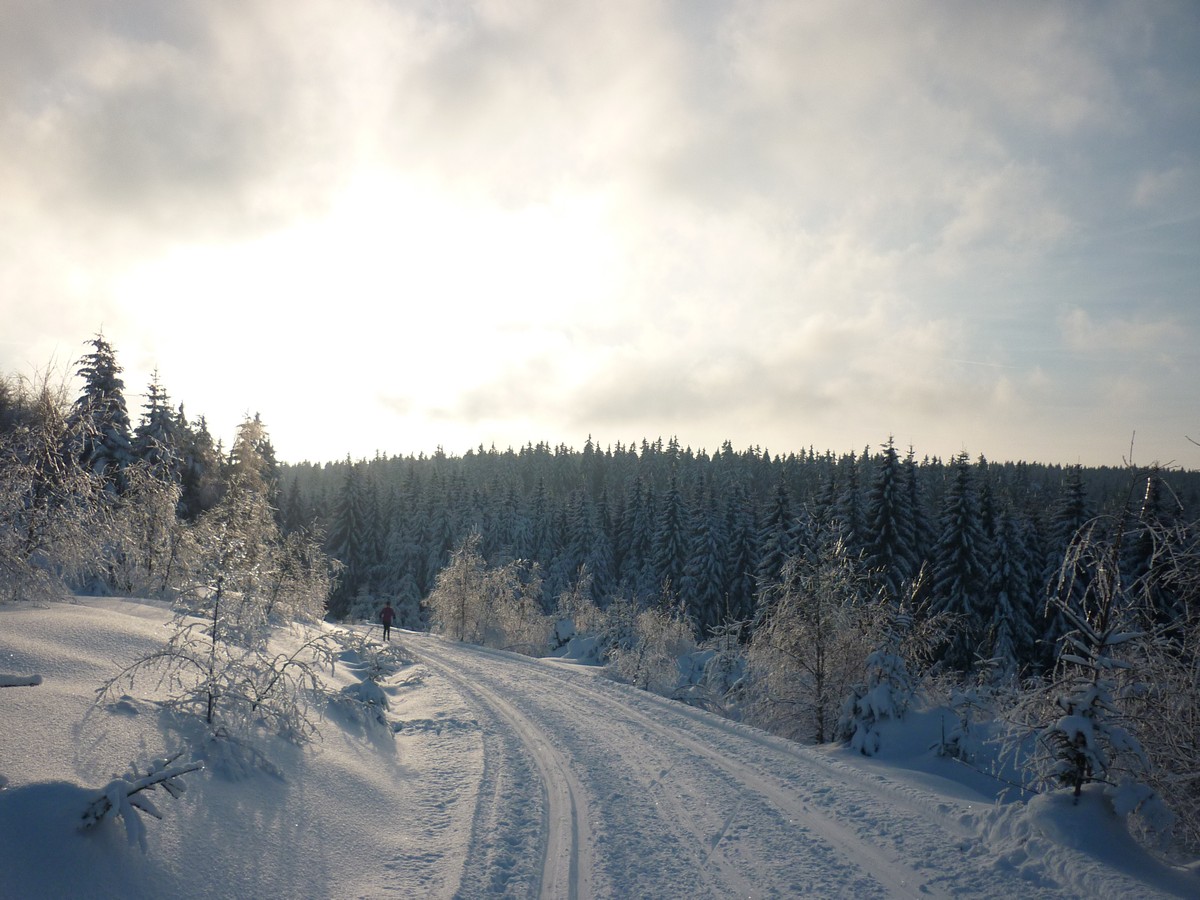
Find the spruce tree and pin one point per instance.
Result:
(1012, 631)
(599, 559)
(850, 515)
(636, 536)
(775, 545)
(742, 534)
(100, 416)
(959, 568)
(1149, 551)
(890, 535)
(347, 541)
(156, 439)
(1064, 586)
(703, 584)
(200, 468)
(671, 538)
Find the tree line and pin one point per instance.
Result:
(660, 522)
(657, 524)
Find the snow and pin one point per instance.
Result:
(480, 773)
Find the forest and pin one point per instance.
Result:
(714, 532)
(815, 590)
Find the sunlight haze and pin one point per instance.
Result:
(394, 226)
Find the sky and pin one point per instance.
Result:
(393, 226)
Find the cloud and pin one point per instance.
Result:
(1082, 332)
(739, 216)
(1005, 211)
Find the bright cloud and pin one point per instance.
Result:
(397, 226)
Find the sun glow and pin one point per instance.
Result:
(394, 302)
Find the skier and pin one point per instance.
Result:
(385, 616)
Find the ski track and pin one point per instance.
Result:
(564, 839)
(713, 827)
(593, 789)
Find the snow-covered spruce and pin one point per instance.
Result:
(1082, 734)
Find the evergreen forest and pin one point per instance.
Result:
(659, 523)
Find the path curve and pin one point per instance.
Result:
(637, 793)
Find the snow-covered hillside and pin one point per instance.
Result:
(498, 775)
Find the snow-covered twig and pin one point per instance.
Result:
(123, 796)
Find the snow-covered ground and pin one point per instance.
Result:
(497, 775)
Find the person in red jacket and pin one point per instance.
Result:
(385, 616)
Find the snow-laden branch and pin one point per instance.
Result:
(123, 796)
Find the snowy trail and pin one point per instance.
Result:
(566, 837)
(495, 775)
(633, 795)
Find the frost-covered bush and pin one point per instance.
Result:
(904, 643)
(219, 662)
(1159, 693)
(576, 613)
(236, 686)
(807, 647)
(1079, 724)
(493, 606)
(456, 604)
(146, 548)
(648, 655)
(366, 701)
(516, 620)
(969, 712)
(51, 515)
(297, 578)
(713, 676)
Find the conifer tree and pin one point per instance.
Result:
(1084, 732)
(295, 513)
(671, 538)
(636, 537)
(1012, 632)
(1149, 551)
(252, 459)
(347, 541)
(959, 568)
(437, 529)
(1071, 514)
(156, 438)
(824, 504)
(775, 546)
(890, 535)
(599, 559)
(100, 416)
(702, 586)
(509, 525)
(923, 537)
(850, 516)
(200, 468)
(544, 531)
(742, 534)
(402, 563)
